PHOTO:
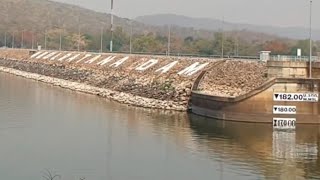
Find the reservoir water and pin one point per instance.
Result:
(77, 136)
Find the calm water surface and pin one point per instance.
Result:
(82, 136)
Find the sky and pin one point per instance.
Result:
(283, 13)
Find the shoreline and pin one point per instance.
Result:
(121, 97)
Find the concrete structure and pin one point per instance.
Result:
(292, 69)
(168, 83)
(257, 106)
(288, 69)
(265, 55)
(286, 77)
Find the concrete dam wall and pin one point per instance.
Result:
(148, 81)
(237, 90)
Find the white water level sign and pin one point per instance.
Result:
(300, 97)
(284, 109)
(284, 123)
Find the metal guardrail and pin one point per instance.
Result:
(173, 54)
(293, 58)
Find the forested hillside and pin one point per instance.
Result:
(28, 23)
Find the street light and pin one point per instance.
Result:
(310, 41)
(22, 39)
(60, 34)
(111, 43)
(222, 39)
(79, 32)
(32, 39)
(45, 39)
(77, 17)
(5, 39)
(130, 36)
(101, 40)
(12, 40)
(169, 40)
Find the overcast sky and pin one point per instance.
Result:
(261, 12)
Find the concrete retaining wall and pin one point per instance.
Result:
(292, 69)
(258, 106)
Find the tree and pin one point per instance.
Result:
(74, 39)
(228, 44)
(304, 46)
(276, 47)
(188, 45)
(120, 40)
(204, 47)
(148, 43)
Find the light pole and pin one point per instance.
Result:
(310, 41)
(130, 36)
(5, 39)
(111, 43)
(60, 35)
(6, 22)
(12, 40)
(101, 40)
(22, 39)
(79, 33)
(222, 39)
(60, 40)
(32, 40)
(45, 39)
(169, 40)
(77, 17)
(236, 51)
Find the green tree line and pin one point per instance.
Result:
(220, 43)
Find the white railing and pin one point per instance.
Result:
(293, 58)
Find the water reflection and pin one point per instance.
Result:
(78, 135)
(277, 154)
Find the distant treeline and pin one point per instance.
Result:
(227, 43)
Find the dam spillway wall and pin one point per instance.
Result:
(258, 105)
(283, 92)
(293, 69)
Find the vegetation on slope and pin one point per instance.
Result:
(28, 23)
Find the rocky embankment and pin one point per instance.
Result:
(233, 78)
(151, 82)
(75, 80)
(113, 95)
(14, 53)
(124, 83)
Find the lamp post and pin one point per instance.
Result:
(22, 39)
(12, 40)
(310, 41)
(45, 39)
(5, 39)
(60, 35)
(169, 40)
(32, 39)
(111, 43)
(79, 33)
(101, 40)
(222, 39)
(130, 36)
